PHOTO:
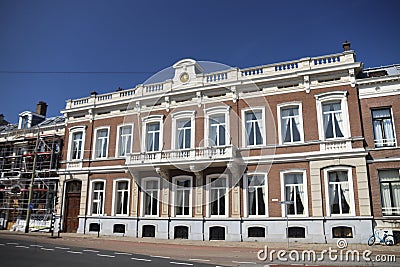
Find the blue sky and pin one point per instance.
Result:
(51, 50)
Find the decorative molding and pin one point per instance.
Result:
(197, 173)
(163, 173)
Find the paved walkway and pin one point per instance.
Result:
(215, 252)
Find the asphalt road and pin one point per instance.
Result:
(22, 253)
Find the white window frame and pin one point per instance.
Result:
(92, 182)
(95, 142)
(145, 122)
(263, 125)
(119, 130)
(209, 112)
(143, 193)
(351, 191)
(72, 131)
(394, 208)
(208, 195)
(393, 126)
(299, 105)
(180, 115)
(114, 200)
(246, 194)
(283, 191)
(175, 189)
(332, 97)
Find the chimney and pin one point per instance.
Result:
(2, 120)
(41, 108)
(346, 46)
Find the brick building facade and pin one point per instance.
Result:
(208, 152)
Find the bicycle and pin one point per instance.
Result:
(386, 239)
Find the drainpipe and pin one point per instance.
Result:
(169, 222)
(203, 227)
(241, 229)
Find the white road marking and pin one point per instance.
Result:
(90, 250)
(122, 253)
(62, 248)
(74, 252)
(38, 246)
(48, 249)
(2, 245)
(137, 259)
(244, 262)
(198, 260)
(162, 257)
(181, 263)
(21, 247)
(12, 243)
(104, 255)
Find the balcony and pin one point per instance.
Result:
(184, 156)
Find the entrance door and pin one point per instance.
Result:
(72, 206)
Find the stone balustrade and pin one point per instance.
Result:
(182, 155)
(231, 75)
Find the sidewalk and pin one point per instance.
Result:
(216, 252)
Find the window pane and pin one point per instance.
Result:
(339, 193)
(381, 113)
(151, 185)
(99, 186)
(156, 142)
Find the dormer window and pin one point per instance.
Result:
(25, 122)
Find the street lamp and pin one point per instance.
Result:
(286, 203)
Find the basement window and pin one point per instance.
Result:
(94, 227)
(217, 233)
(297, 232)
(149, 231)
(181, 232)
(342, 232)
(256, 232)
(119, 229)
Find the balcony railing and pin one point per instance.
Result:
(391, 211)
(182, 155)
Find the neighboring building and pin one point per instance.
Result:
(379, 91)
(17, 146)
(210, 155)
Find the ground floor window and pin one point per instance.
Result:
(217, 233)
(297, 232)
(390, 191)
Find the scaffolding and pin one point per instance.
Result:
(17, 152)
